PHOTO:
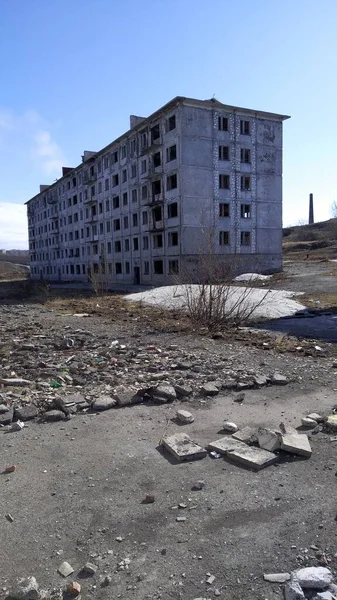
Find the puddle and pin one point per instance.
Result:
(310, 324)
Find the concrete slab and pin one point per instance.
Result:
(182, 447)
(254, 458)
(268, 439)
(296, 444)
(246, 435)
(226, 444)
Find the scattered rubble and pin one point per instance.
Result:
(230, 427)
(183, 416)
(182, 447)
(65, 569)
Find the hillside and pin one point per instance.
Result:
(318, 240)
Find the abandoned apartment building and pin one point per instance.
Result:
(144, 208)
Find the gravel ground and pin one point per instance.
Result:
(79, 483)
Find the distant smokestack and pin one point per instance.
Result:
(311, 209)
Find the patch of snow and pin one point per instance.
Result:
(271, 304)
(252, 277)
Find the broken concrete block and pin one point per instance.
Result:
(128, 398)
(104, 403)
(316, 417)
(65, 569)
(316, 578)
(269, 439)
(331, 422)
(230, 427)
(54, 415)
(308, 423)
(276, 577)
(324, 596)
(182, 447)
(25, 413)
(26, 589)
(163, 393)
(278, 379)
(239, 397)
(225, 445)
(296, 444)
(285, 428)
(184, 416)
(260, 380)
(183, 391)
(209, 389)
(89, 568)
(246, 435)
(293, 590)
(254, 458)
(7, 417)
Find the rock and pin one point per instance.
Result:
(17, 426)
(324, 596)
(65, 569)
(278, 379)
(210, 580)
(230, 427)
(246, 435)
(199, 485)
(183, 390)
(17, 382)
(253, 458)
(128, 398)
(293, 590)
(316, 417)
(89, 568)
(54, 415)
(225, 445)
(309, 423)
(3, 408)
(184, 416)
(260, 380)
(209, 389)
(288, 429)
(25, 413)
(104, 403)
(26, 589)
(105, 581)
(331, 422)
(184, 366)
(239, 397)
(73, 589)
(244, 385)
(268, 439)
(296, 444)
(149, 499)
(163, 393)
(276, 577)
(7, 417)
(182, 447)
(316, 578)
(180, 519)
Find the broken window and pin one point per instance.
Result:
(145, 242)
(172, 239)
(156, 160)
(133, 171)
(224, 182)
(171, 123)
(107, 206)
(114, 157)
(125, 198)
(134, 220)
(245, 211)
(146, 268)
(134, 195)
(115, 202)
(158, 267)
(145, 217)
(135, 244)
(123, 152)
(172, 182)
(245, 155)
(106, 162)
(245, 238)
(223, 152)
(115, 180)
(124, 175)
(156, 187)
(172, 210)
(173, 267)
(118, 268)
(155, 132)
(157, 214)
(223, 124)
(224, 209)
(245, 183)
(117, 224)
(223, 238)
(118, 246)
(144, 192)
(171, 153)
(158, 240)
(106, 185)
(127, 268)
(143, 166)
(126, 222)
(244, 127)
(127, 245)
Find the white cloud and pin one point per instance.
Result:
(47, 153)
(13, 226)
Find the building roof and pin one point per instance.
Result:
(210, 104)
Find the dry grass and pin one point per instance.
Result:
(8, 272)
(319, 300)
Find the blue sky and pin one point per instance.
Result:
(72, 71)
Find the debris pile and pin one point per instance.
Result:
(314, 583)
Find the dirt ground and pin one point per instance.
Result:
(80, 483)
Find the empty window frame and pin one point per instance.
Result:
(158, 267)
(173, 266)
(245, 155)
(224, 182)
(172, 210)
(223, 123)
(223, 152)
(224, 209)
(245, 238)
(171, 153)
(172, 182)
(172, 238)
(244, 127)
(223, 238)
(245, 183)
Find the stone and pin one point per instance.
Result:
(253, 458)
(26, 589)
(180, 519)
(324, 595)
(3, 408)
(7, 417)
(246, 435)
(73, 589)
(269, 439)
(316, 417)
(308, 423)
(244, 385)
(230, 427)
(128, 398)
(182, 447)
(316, 578)
(104, 403)
(54, 415)
(209, 389)
(288, 429)
(199, 485)
(89, 568)
(65, 569)
(16, 426)
(183, 416)
(239, 397)
(293, 590)
(296, 444)
(331, 422)
(25, 413)
(17, 382)
(225, 445)
(74, 399)
(163, 393)
(184, 391)
(149, 499)
(278, 379)
(276, 577)
(260, 380)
